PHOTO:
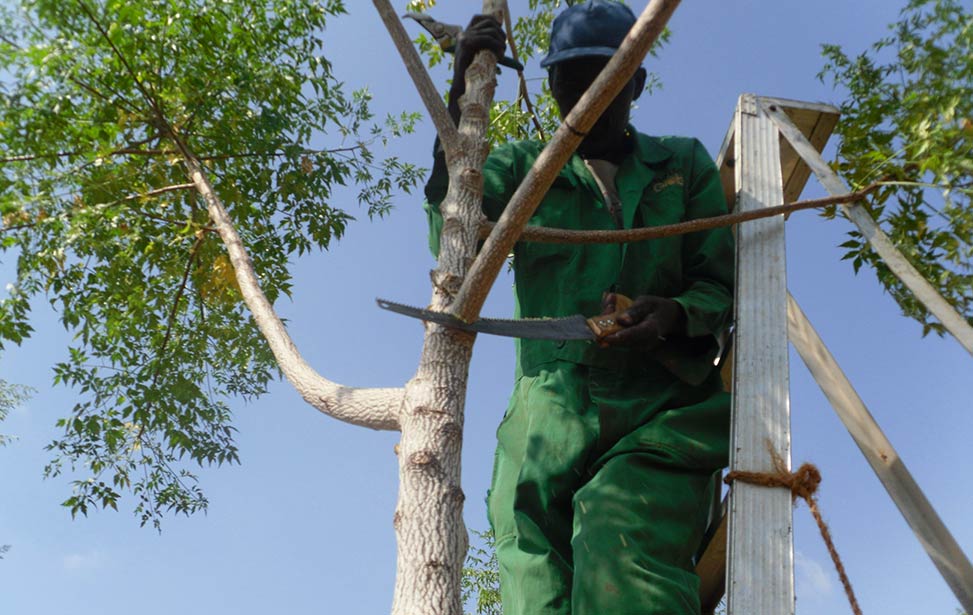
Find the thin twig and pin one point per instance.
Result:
(131, 151)
(159, 191)
(17, 227)
(149, 98)
(524, 95)
(193, 251)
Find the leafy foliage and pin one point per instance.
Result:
(481, 577)
(100, 103)
(11, 396)
(908, 121)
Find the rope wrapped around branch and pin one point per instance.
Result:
(802, 484)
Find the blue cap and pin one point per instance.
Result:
(591, 28)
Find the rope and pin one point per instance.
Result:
(802, 484)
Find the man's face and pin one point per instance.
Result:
(606, 139)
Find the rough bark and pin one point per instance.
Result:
(432, 539)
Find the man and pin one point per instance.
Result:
(604, 465)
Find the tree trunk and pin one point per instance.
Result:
(428, 520)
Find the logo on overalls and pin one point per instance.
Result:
(674, 179)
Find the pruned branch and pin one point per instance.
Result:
(532, 189)
(540, 234)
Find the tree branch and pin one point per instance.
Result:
(448, 135)
(542, 234)
(159, 191)
(374, 408)
(134, 151)
(582, 117)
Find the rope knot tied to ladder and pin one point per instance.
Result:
(802, 484)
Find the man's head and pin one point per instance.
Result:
(583, 39)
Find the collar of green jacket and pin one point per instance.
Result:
(648, 151)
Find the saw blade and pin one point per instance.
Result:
(568, 328)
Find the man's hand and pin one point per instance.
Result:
(647, 323)
(483, 33)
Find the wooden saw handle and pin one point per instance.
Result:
(608, 323)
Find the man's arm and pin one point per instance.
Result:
(708, 256)
(705, 305)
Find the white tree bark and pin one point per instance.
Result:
(428, 523)
(374, 408)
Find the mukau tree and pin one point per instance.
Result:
(158, 174)
(152, 145)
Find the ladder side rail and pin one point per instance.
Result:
(897, 263)
(932, 533)
(760, 553)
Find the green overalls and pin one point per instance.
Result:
(602, 478)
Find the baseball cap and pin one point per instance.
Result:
(591, 28)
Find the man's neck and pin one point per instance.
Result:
(614, 154)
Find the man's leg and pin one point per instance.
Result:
(637, 526)
(543, 444)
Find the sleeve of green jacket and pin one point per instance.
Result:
(708, 256)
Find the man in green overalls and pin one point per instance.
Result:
(603, 474)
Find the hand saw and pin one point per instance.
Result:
(575, 327)
(692, 360)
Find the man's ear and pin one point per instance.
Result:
(638, 79)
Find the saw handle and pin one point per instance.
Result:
(607, 324)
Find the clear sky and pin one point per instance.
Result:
(304, 525)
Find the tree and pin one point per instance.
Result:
(908, 121)
(146, 155)
(481, 576)
(121, 116)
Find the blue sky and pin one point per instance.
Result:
(304, 525)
